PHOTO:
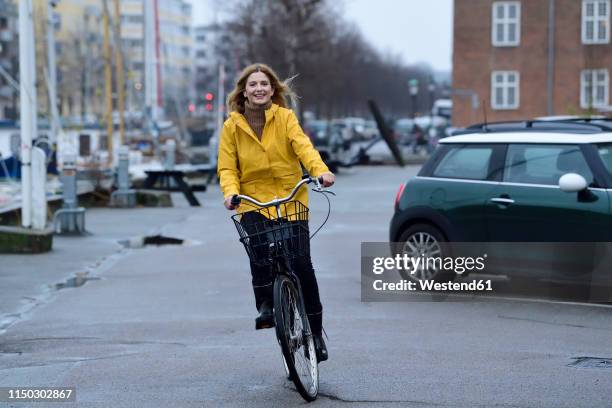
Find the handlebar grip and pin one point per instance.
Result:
(312, 179)
(235, 200)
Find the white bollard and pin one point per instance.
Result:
(39, 194)
(170, 149)
(123, 196)
(70, 218)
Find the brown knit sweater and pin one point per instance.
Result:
(256, 117)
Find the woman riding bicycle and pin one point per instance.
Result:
(261, 152)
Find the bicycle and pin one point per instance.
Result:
(275, 242)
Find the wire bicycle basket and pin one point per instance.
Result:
(266, 237)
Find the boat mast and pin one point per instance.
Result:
(52, 78)
(108, 82)
(119, 73)
(27, 97)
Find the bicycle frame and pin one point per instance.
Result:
(283, 263)
(288, 271)
(280, 251)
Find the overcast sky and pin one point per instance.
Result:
(417, 30)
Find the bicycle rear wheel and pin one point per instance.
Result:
(295, 338)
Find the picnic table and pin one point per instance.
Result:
(173, 180)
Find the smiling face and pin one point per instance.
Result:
(258, 89)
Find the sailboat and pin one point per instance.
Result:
(10, 141)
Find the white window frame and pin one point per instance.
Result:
(505, 21)
(587, 103)
(595, 19)
(505, 85)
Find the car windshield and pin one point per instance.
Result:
(605, 152)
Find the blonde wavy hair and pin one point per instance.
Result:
(282, 89)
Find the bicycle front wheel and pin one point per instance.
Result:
(295, 338)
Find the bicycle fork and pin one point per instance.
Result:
(297, 340)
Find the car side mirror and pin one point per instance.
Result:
(572, 183)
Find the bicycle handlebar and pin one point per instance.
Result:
(236, 199)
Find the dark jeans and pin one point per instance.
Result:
(263, 281)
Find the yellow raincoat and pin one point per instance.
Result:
(268, 168)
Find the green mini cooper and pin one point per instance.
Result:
(531, 181)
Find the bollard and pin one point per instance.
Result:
(69, 181)
(123, 170)
(70, 218)
(123, 196)
(170, 149)
(39, 196)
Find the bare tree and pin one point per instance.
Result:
(338, 69)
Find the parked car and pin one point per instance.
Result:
(318, 131)
(333, 139)
(533, 181)
(403, 130)
(351, 128)
(370, 130)
(443, 108)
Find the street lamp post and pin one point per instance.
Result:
(432, 89)
(54, 122)
(413, 85)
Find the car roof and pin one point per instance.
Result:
(569, 118)
(530, 137)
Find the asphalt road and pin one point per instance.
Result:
(172, 326)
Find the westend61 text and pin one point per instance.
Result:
(431, 285)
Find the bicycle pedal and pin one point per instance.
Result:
(261, 326)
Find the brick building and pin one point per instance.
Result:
(524, 59)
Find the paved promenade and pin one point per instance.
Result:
(172, 326)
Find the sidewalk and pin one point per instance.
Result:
(27, 281)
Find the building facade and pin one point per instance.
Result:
(212, 47)
(79, 56)
(206, 68)
(204, 58)
(516, 60)
(79, 37)
(175, 51)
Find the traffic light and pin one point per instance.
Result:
(192, 108)
(209, 107)
(209, 96)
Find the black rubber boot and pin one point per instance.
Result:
(263, 293)
(320, 347)
(265, 319)
(316, 325)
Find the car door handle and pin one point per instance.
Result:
(502, 201)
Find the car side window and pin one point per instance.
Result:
(466, 162)
(605, 152)
(544, 164)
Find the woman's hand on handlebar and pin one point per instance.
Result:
(228, 203)
(327, 179)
